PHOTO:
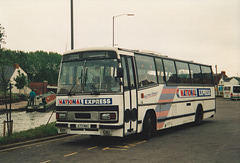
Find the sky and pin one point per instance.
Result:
(203, 31)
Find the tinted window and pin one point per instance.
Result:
(196, 74)
(207, 75)
(89, 55)
(236, 89)
(226, 88)
(160, 71)
(146, 70)
(183, 72)
(170, 71)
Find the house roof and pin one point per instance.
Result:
(228, 79)
(220, 76)
(8, 72)
(237, 78)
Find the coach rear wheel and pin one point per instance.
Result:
(199, 116)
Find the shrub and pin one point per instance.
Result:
(38, 132)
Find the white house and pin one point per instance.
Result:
(229, 81)
(232, 81)
(11, 72)
(224, 80)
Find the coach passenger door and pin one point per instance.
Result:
(130, 95)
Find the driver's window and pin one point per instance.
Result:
(125, 81)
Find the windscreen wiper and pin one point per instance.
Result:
(94, 92)
(70, 93)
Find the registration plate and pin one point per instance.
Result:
(107, 132)
(83, 125)
(63, 130)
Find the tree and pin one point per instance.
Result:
(21, 81)
(38, 65)
(4, 84)
(2, 35)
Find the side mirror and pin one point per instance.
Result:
(120, 72)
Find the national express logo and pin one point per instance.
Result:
(98, 101)
(195, 92)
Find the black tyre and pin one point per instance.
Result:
(199, 116)
(148, 126)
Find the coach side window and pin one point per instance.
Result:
(196, 74)
(146, 70)
(170, 71)
(207, 75)
(125, 82)
(183, 72)
(160, 71)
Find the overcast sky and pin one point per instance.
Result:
(204, 31)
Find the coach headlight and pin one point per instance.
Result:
(60, 116)
(108, 116)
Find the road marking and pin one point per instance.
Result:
(92, 148)
(125, 146)
(70, 154)
(118, 149)
(105, 148)
(140, 142)
(46, 161)
(137, 143)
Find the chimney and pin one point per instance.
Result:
(16, 65)
(223, 73)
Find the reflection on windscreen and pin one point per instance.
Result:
(89, 76)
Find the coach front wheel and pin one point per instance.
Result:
(148, 126)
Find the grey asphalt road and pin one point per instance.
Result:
(217, 140)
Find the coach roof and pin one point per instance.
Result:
(144, 52)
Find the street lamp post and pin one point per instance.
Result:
(72, 38)
(114, 20)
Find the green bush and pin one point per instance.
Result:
(38, 132)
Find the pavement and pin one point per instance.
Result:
(17, 106)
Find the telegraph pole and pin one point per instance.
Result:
(216, 79)
(72, 38)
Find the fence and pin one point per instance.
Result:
(15, 98)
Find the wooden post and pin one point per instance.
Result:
(10, 124)
(4, 128)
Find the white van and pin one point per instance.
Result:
(227, 91)
(235, 92)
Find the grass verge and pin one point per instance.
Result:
(38, 132)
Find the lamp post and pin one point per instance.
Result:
(72, 38)
(114, 20)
